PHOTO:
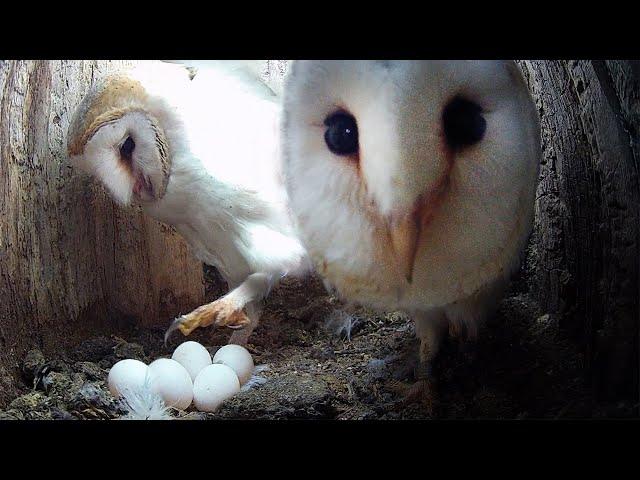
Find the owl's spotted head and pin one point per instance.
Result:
(120, 133)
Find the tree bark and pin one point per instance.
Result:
(584, 256)
(72, 263)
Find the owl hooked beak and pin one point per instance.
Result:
(406, 227)
(143, 187)
(404, 232)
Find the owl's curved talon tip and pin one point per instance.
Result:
(175, 325)
(236, 327)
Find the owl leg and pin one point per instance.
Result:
(465, 316)
(430, 329)
(227, 311)
(254, 311)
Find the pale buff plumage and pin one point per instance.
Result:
(206, 161)
(409, 223)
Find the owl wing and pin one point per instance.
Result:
(245, 72)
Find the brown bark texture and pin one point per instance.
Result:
(72, 263)
(584, 255)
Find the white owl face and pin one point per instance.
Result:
(124, 132)
(410, 180)
(129, 156)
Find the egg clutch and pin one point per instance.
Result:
(190, 375)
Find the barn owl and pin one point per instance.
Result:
(200, 153)
(412, 185)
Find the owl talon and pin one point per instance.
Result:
(222, 313)
(227, 315)
(422, 392)
(236, 327)
(182, 323)
(172, 328)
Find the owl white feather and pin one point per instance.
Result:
(412, 183)
(200, 153)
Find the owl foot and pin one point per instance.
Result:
(422, 391)
(222, 313)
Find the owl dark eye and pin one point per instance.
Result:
(126, 149)
(341, 135)
(463, 123)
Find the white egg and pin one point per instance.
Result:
(238, 358)
(172, 382)
(126, 374)
(192, 356)
(214, 384)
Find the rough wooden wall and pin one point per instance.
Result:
(584, 258)
(72, 263)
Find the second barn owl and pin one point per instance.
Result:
(200, 154)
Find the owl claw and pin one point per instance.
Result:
(222, 313)
(420, 392)
(175, 325)
(236, 327)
